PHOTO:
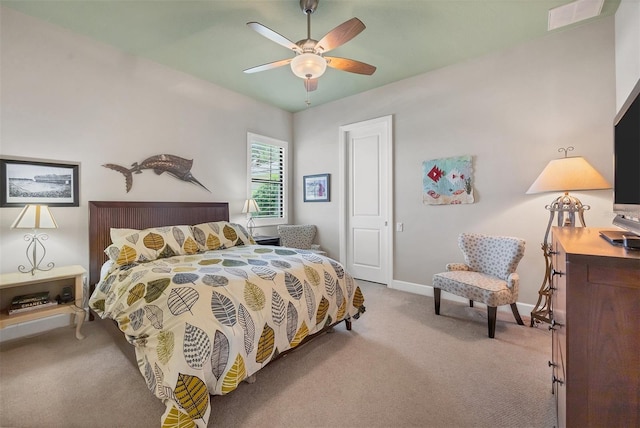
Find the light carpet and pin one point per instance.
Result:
(400, 366)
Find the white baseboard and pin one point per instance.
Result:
(427, 290)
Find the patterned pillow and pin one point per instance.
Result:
(119, 233)
(220, 234)
(151, 244)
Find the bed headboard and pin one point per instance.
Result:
(103, 215)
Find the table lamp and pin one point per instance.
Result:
(250, 206)
(35, 217)
(562, 175)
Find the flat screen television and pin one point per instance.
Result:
(626, 172)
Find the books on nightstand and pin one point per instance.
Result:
(30, 302)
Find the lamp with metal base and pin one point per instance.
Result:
(35, 217)
(564, 174)
(250, 207)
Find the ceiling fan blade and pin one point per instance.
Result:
(273, 36)
(341, 34)
(268, 66)
(350, 65)
(310, 84)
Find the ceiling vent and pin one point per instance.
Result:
(573, 12)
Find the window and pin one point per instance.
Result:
(267, 172)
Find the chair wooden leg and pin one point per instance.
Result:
(436, 300)
(516, 314)
(491, 312)
(471, 303)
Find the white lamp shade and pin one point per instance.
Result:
(250, 206)
(308, 66)
(35, 217)
(569, 173)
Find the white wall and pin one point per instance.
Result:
(627, 49)
(68, 98)
(512, 111)
(65, 97)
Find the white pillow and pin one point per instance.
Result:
(105, 269)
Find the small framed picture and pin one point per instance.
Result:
(316, 188)
(42, 183)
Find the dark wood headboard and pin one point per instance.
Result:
(103, 215)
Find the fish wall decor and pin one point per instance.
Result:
(176, 166)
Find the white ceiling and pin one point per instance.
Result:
(209, 39)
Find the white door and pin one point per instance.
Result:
(366, 241)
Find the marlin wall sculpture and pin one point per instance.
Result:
(176, 166)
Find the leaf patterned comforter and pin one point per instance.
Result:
(202, 323)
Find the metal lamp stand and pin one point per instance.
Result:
(561, 205)
(35, 240)
(251, 225)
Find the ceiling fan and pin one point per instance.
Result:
(310, 62)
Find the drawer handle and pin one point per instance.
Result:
(556, 272)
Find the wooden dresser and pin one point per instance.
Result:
(595, 323)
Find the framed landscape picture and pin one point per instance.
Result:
(42, 183)
(316, 188)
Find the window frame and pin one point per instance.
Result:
(284, 145)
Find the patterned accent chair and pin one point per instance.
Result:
(488, 274)
(299, 236)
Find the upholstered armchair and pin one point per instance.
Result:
(299, 236)
(488, 274)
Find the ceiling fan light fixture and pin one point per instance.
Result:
(308, 66)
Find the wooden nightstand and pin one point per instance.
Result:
(43, 281)
(267, 240)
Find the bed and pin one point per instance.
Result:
(204, 307)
